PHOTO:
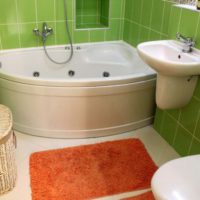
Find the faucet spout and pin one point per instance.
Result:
(187, 41)
(46, 31)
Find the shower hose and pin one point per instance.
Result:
(69, 37)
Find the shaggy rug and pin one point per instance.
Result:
(91, 171)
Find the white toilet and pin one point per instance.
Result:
(178, 179)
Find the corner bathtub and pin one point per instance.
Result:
(76, 100)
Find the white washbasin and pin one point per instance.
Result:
(167, 58)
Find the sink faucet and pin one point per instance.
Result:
(46, 31)
(189, 43)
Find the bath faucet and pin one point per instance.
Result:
(46, 31)
(188, 42)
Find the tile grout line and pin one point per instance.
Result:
(180, 17)
(197, 27)
(140, 21)
(36, 21)
(151, 17)
(146, 27)
(19, 28)
(55, 32)
(195, 128)
(177, 125)
(181, 125)
(162, 23)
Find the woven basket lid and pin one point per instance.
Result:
(5, 122)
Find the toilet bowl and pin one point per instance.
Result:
(178, 180)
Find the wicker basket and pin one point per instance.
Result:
(8, 171)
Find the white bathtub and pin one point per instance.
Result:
(84, 105)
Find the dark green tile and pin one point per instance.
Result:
(195, 148)
(158, 120)
(182, 141)
(189, 115)
(168, 129)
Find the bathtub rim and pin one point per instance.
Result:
(77, 82)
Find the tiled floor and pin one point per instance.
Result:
(159, 150)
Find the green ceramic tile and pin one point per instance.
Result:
(60, 10)
(45, 10)
(154, 35)
(146, 12)
(27, 37)
(116, 8)
(128, 9)
(182, 141)
(97, 35)
(136, 10)
(158, 120)
(174, 113)
(197, 89)
(25, 14)
(9, 36)
(195, 148)
(157, 15)
(127, 26)
(81, 36)
(166, 18)
(186, 27)
(8, 12)
(61, 32)
(143, 34)
(189, 115)
(114, 32)
(168, 129)
(134, 34)
(197, 130)
(174, 21)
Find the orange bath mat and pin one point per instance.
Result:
(90, 171)
(145, 196)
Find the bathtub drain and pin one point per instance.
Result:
(36, 74)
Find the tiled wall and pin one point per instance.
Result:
(146, 20)
(154, 20)
(19, 17)
(92, 13)
(181, 127)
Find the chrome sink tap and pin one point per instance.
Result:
(187, 41)
(46, 31)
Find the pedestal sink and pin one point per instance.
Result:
(177, 71)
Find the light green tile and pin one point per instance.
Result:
(26, 14)
(81, 36)
(8, 12)
(9, 36)
(45, 10)
(61, 32)
(97, 35)
(27, 37)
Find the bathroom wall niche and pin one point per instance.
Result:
(92, 14)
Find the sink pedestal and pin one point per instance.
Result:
(174, 91)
